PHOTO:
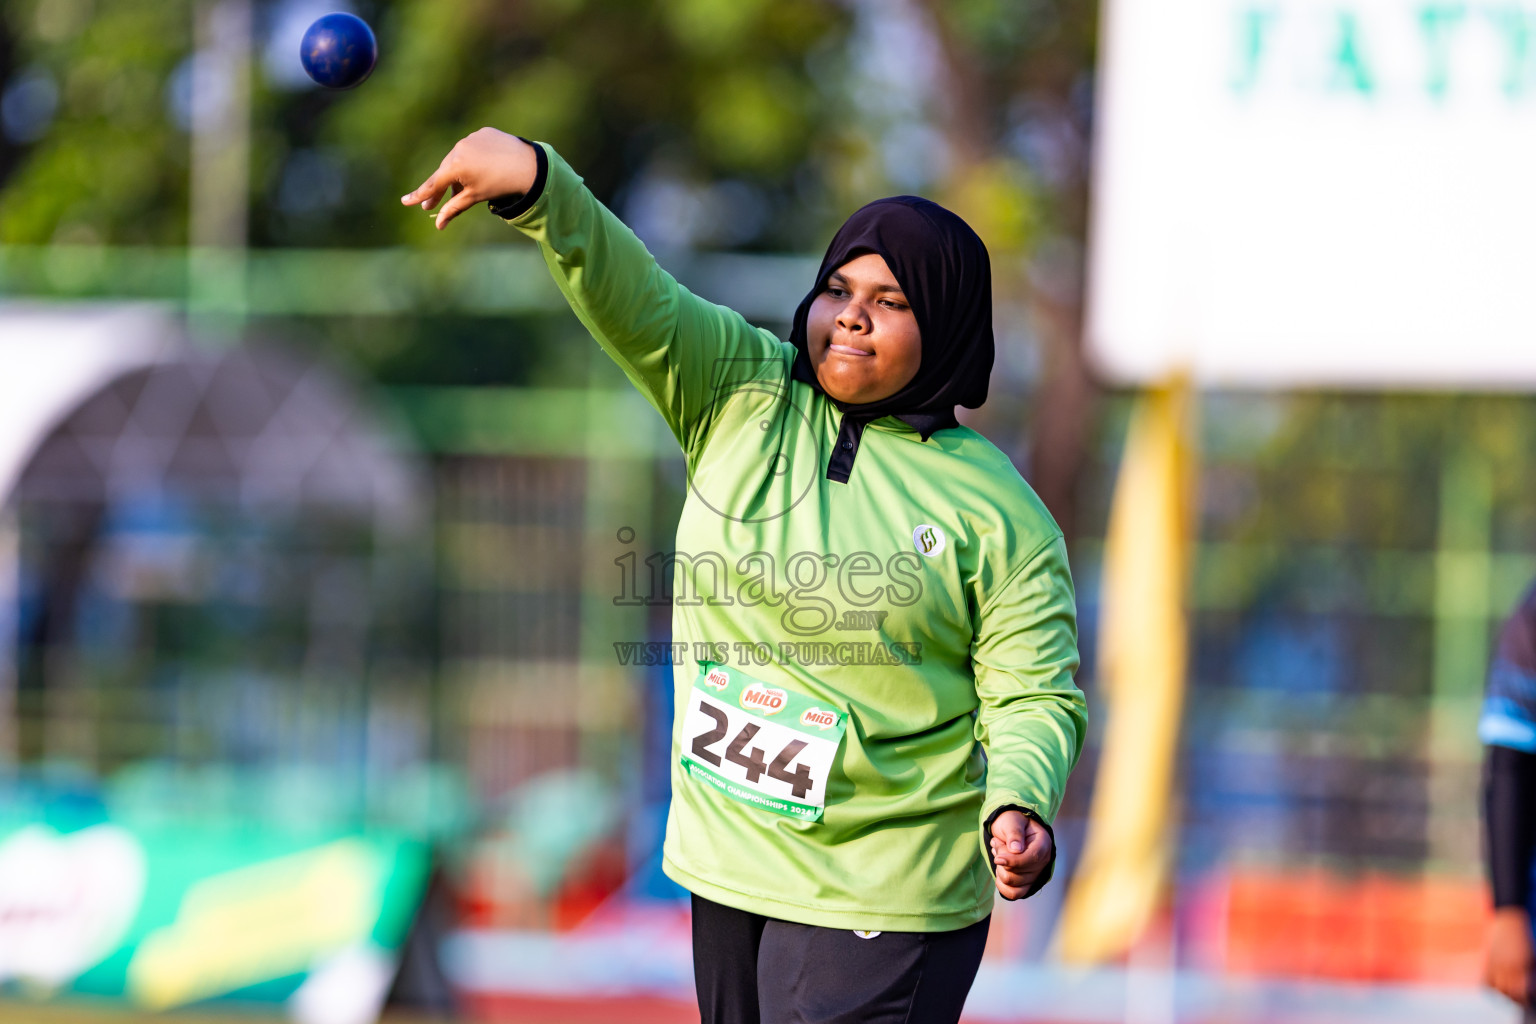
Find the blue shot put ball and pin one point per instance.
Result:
(339, 51)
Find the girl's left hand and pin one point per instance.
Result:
(1021, 850)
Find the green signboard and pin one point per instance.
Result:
(172, 915)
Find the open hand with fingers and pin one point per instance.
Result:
(483, 165)
(1021, 850)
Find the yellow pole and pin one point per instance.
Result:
(1143, 651)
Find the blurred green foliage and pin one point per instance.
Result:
(774, 100)
(714, 88)
(1021, 99)
(112, 165)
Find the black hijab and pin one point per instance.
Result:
(943, 268)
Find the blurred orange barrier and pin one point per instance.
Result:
(498, 891)
(1372, 927)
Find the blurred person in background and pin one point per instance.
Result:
(870, 900)
(1508, 728)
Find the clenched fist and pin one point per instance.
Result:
(1021, 850)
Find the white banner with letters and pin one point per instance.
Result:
(1316, 193)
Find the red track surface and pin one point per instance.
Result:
(526, 1010)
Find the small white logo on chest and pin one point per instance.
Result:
(929, 540)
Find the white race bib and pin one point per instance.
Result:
(760, 744)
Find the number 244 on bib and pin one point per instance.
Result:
(760, 744)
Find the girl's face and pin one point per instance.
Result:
(861, 335)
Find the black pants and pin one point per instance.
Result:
(757, 970)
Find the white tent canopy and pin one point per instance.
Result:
(100, 401)
(56, 356)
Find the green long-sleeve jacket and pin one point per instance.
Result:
(925, 606)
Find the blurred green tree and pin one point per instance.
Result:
(788, 104)
(90, 151)
(98, 110)
(1019, 92)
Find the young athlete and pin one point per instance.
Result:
(1508, 727)
(882, 715)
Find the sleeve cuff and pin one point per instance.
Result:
(511, 207)
(986, 836)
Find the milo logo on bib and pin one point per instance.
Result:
(765, 700)
(821, 718)
(718, 679)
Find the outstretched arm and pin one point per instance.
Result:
(685, 355)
